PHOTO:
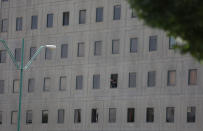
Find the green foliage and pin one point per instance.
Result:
(179, 18)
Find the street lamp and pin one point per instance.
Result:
(21, 68)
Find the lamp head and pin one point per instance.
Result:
(51, 46)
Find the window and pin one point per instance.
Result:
(114, 81)
(150, 115)
(95, 115)
(18, 54)
(151, 79)
(34, 22)
(2, 56)
(50, 20)
(117, 12)
(191, 111)
(61, 114)
(77, 115)
(16, 86)
(4, 0)
(171, 78)
(31, 85)
(82, 16)
(28, 117)
(32, 51)
(97, 48)
(48, 54)
(1, 86)
(14, 117)
(44, 116)
(81, 49)
(96, 81)
(99, 14)
(79, 82)
(132, 79)
(131, 115)
(133, 45)
(4, 25)
(172, 42)
(170, 111)
(152, 43)
(66, 18)
(47, 84)
(192, 79)
(19, 23)
(64, 50)
(1, 117)
(112, 115)
(63, 83)
(115, 46)
(133, 13)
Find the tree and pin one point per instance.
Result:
(179, 18)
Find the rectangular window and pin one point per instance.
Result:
(82, 16)
(132, 79)
(19, 23)
(31, 85)
(77, 115)
(115, 46)
(34, 22)
(133, 45)
(4, 25)
(97, 48)
(28, 117)
(16, 86)
(172, 42)
(131, 115)
(114, 81)
(63, 83)
(171, 78)
(151, 79)
(170, 112)
(4, 0)
(66, 18)
(96, 81)
(48, 54)
(18, 54)
(79, 82)
(95, 115)
(44, 116)
(152, 43)
(32, 51)
(117, 12)
(191, 111)
(1, 86)
(192, 78)
(47, 84)
(81, 49)
(133, 13)
(2, 56)
(61, 114)
(150, 115)
(50, 20)
(99, 14)
(112, 115)
(14, 117)
(1, 117)
(64, 51)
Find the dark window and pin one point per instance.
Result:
(172, 42)
(96, 81)
(79, 82)
(16, 86)
(132, 79)
(64, 50)
(28, 117)
(114, 81)
(152, 43)
(48, 54)
(63, 83)
(192, 77)
(150, 115)
(99, 14)
(32, 51)
(1, 117)
(77, 115)
(61, 114)
(131, 115)
(115, 46)
(44, 116)
(34, 22)
(19, 23)
(82, 16)
(4, 0)
(14, 117)
(94, 118)
(191, 111)
(18, 54)
(112, 115)
(117, 12)
(133, 45)
(81, 49)
(47, 84)
(4, 25)
(97, 48)
(1, 86)
(171, 78)
(66, 18)
(2, 56)
(31, 84)
(133, 13)
(170, 111)
(151, 79)
(50, 20)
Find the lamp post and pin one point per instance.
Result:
(21, 67)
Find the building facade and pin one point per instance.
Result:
(109, 71)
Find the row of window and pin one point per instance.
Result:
(151, 81)
(81, 49)
(150, 111)
(65, 19)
